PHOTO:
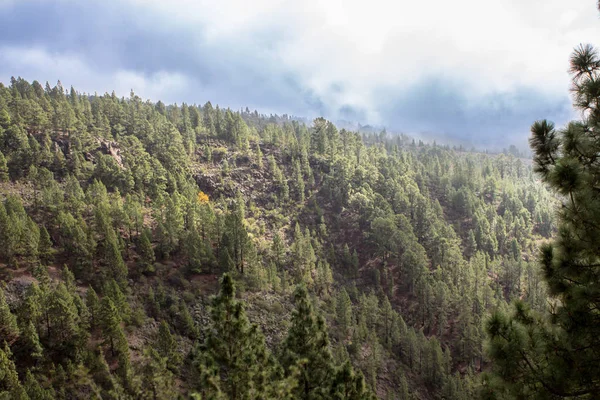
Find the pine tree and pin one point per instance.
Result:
(434, 363)
(193, 249)
(9, 329)
(45, 250)
(31, 341)
(226, 263)
(34, 390)
(69, 280)
(306, 347)
(31, 307)
(30, 238)
(403, 392)
(234, 358)
(146, 252)
(8, 236)
(373, 359)
(344, 312)
(10, 387)
(387, 316)
(100, 372)
(238, 241)
(158, 380)
(3, 169)
(93, 304)
(113, 259)
(471, 244)
(259, 156)
(62, 320)
(555, 356)
(278, 250)
(354, 263)
(166, 346)
(110, 322)
(124, 369)
(349, 385)
(185, 322)
(111, 289)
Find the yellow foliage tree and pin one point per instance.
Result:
(202, 197)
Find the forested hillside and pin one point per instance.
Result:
(156, 251)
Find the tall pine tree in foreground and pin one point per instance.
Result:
(234, 362)
(558, 355)
(306, 349)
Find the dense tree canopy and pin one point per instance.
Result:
(151, 250)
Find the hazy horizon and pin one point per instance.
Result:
(459, 72)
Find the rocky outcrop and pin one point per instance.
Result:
(112, 149)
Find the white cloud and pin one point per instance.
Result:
(508, 58)
(486, 46)
(72, 71)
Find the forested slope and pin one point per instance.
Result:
(354, 254)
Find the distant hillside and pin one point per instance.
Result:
(368, 261)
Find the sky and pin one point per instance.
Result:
(469, 71)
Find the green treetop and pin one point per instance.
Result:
(555, 355)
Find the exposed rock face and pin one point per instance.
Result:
(207, 183)
(16, 288)
(62, 143)
(112, 149)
